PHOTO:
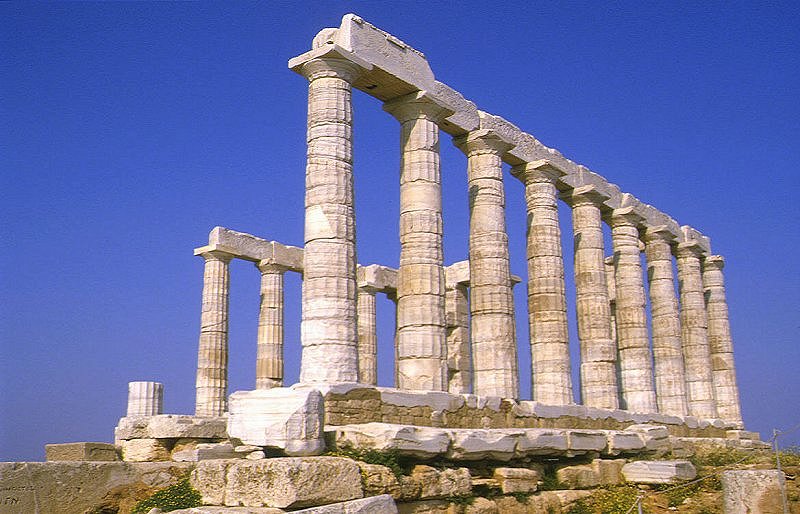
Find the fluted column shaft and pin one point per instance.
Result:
(635, 357)
(720, 341)
(367, 337)
(598, 350)
(547, 303)
(328, 326)
(421, 338)
(492, 330)
(269, 343)
(667, 354)
(212, 356)
(145, 398)
(694, 333)
(459, 358)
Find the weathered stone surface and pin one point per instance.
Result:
(422, 442)
(145, 398)
(84, 451)
(750, 491)
(145, 450)
(227, 510)
(483, 444)
(516, 480)
(424, 507)
(542, 441)
(578, 477)
(280, 482)
(586, 440)
(658, 471)
(426, 482)
(624, 442)
(205, 451)
(377, 479)
(171, 426)
(288, 419)
(655, 437)
(609, 471)
(51, 487)
(373, 505)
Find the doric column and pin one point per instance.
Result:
(145, 398)
(598, 351)
(328, 327)
(720, 341)
(269, 345)
(492, 330)
(459, 359)
(633, 342)
(367, 336)
(667, 353)
(612, 295)
(547, 303)
(212, 355)
(420, 281)
(694, 332)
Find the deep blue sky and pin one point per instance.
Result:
(129, 130)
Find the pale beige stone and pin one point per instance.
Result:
(598, 350)
(547, 304)
(609, 471)
(726, 391)
(658, 472)
(578, 477)
(420, 442)
(204, 451)
(633, 342)
(171, 426)
(426, 482)
(670, 376)
(494, 349)
(459, 357)
(212, 355)
(516, 480)
(421, 353)
(751, 491)
(694, 333)
(145, 398)
(383, 504)
(83, 451)
(269, 343)
(367, 336)
(145, 450)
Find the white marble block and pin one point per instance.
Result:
(145, 398)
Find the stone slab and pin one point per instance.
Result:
(659, 471)
(413, 441)
(749, 491)
(383, 504)
(83, 451)
(171, 426)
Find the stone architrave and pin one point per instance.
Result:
(598, 349)
(421, 335)
(269, 346)
(212, 355)
(367, 336)
(459, 359)
(145, 399)
(720, 341)
(547, 302)
(694, 332)
(633, 342)
(492, 327)
(328, 326)
(667, 354)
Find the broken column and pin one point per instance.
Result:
(145, 398)
(328, 327)
(547, 302)
(720, 342)
(598, 350)
(212, 356)
(667, 354)
(269, 346)
(494, 348)
(367, 336)
(421, 348)
(459, 358)
(635, 358)
(694, 332)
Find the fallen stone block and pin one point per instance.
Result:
(377, 480)
(659, 471)
(287, 419)
(609, 470)
(383, 504)
(655, 437)
(475, 444)
(516, 480)
(83, 451)
(413, 441)
(287, 482)
(146, 450)
(619, 442)
(170, 426)
(426, 482)
(582, 441)
(582, 476)
(747, 491)
(204, 451)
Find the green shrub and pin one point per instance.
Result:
(721, 457)
(790, 456)
(609, 500)
(389, 459)
(179, 496)
(550, 481)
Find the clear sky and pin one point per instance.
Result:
(129, 130)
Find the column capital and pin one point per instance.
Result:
(714, 262)
(330, 67)
(214, 253)
(417, 105)
(690, 249)
(626, 216)
(540, 170)
(270, 266)
(659, 233)
(482, 141)
(585, 195)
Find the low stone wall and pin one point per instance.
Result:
(348, 404)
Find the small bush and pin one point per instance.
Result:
(721, 457)
(790, 456)
(179, 496)
(550, 481)
(388, 459)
